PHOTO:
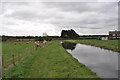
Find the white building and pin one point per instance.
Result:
(104, 38)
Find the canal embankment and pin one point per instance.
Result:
(104, 44)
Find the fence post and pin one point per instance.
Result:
(31, 51)
(27, 52)
(2, 66)
(34, 47)
(13, 59)
(19, 56)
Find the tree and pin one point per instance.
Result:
(69, 34)
(39, 38)
(48, 38)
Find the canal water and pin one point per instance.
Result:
(103, 62)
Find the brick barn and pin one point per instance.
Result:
(114, 35)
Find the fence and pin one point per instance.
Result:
(0, 65)
(15, 58)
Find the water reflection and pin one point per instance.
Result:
(103, 62)
(68, 45)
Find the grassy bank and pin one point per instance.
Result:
(51, 61)
(106, 44)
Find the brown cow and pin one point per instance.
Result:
(44, 41)
(27, 42)
(20, 43)
(36, 44)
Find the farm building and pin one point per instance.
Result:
(104, 38)
(114, 35)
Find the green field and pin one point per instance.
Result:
(106, 44)
(19, 51)
(51, 61)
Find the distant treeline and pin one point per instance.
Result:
(47, 38)
(71, 34)
(92, 36)
(36, 38)
(41, 38)
(5, 38)
(65, 34)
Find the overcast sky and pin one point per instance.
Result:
(36, 18)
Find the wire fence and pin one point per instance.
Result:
(15, 58)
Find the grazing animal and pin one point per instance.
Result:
(36, 44)
(44, 41)
(27, 42)
(20, 43)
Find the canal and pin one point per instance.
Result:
(103, 62)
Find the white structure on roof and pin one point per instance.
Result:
(45, 34)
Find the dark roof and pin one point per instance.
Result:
(114, 31)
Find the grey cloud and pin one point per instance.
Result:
(66, 7)
(99, 8)
(23, 15)
(68, 14)
(83, 6)
(9, 23)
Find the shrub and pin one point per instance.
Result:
(48, 38)
(39, 38)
